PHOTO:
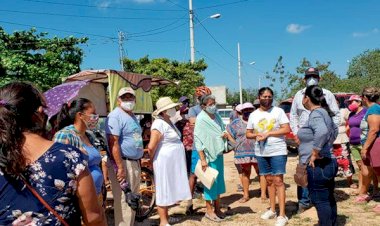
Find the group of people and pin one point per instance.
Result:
(60, 181)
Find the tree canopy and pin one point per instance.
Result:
(187, 75)
(31, 56)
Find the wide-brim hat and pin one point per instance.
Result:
(163, 104)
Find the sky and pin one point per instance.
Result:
(324, 30)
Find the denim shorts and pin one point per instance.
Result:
(273, 165)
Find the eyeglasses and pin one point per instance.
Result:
(92, 116)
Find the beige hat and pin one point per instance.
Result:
(125, 90)
(163, 104)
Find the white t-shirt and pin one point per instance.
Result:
(263, 122)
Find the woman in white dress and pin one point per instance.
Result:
(169, 161)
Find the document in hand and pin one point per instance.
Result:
(207, 177)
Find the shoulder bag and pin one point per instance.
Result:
(35, 193)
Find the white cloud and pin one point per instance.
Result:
(365, 34)
(296, 28)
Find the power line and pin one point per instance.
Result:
(159, 32)
(217, 63)
(224, 4)
(100, 6)
(178, 5)
(54, 29)
(221, 46)
(158, 41)
(91, 17)
(155, 29)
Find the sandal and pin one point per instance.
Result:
(362, 199)
(243, 200)
(213, 218)
(376, 209)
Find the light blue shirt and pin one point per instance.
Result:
(127, 128)
(299, 114)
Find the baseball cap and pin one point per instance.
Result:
(312, 71)
(354, 97)
(126, 90)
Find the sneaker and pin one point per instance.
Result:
(281, 221)
(269, 214)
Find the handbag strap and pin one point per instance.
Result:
(34, 192)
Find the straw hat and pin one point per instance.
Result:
(163, 104)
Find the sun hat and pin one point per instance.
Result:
(247, 105)
(126, 90)
(239, 107)
(163, 104)
(354, 97)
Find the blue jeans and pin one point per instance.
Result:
(273, 165)
(321, 186)
(303, 197)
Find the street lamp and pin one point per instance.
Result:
(191, 14)
(253, 63)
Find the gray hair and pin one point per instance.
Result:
(205, 98)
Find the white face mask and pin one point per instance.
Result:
(211, 109)
(171, 112)
(128, 105)
(312, 82)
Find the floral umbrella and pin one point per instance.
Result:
(64, 93)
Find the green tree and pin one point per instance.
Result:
(249, 95)
(366, 64)
(187, 75)
(31, 56)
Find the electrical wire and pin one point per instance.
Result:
(221, 46)
(101, 7)
(220, 5)
(159, 32)
(91, 17)
(178, 5)
(217, 63)
(54, 29)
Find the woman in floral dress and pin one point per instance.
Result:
(57, 173)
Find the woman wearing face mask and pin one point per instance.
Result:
(169, 161)
(73, 120)
(268, 126)
(317, 136)
(355, 117)
(209, 138)
(245, 151)
(37, 174)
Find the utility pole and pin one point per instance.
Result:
(239, 74)
(192, 49)
(121, 48)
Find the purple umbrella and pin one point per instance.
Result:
(64, 93)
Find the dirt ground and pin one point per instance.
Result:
(249, 213)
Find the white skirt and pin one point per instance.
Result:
(170, 175)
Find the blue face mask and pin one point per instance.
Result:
(211, 109)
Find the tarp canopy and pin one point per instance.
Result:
(145, 82)
(142, 84)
